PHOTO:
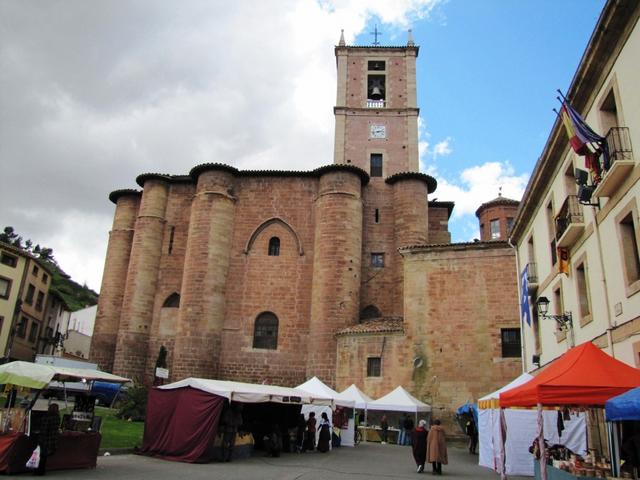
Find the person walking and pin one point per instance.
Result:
(436, 447)
(419, 445)
(384, 426)
(325, 433)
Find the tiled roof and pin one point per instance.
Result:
(495, 202)
(431, 182)
(378, 325)
(458, 246)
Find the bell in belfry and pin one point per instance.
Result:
(376, 91)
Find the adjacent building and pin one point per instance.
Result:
(24, 289)
(577, 231)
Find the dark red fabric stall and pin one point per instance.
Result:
(585, 375)
(181, 424)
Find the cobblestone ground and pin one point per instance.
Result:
(366, 461)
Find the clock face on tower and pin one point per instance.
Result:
(377, 131)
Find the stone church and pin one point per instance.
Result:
(346, 272)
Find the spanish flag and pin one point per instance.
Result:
(563, 260)
(584, 141)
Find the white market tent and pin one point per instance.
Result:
(38, 376)
(360, 398)
(399, 400)
(251, 393)
(315, 386)
(521, 426)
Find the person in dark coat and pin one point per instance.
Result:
(384, 426)
(419, 445)
(300, 428)
(48, 437)
(472, 432)
(310, 434)
(325, 433)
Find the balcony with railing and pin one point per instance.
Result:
(569, 222)
(375, 103)
(620, 162)
(532, 278)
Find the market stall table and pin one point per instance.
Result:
(75, 450)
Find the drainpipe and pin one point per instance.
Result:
(522, 342)
(604, 287)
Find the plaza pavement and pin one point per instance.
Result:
(366, 461)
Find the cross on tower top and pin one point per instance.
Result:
(375, 34)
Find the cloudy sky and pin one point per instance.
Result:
(93, 93)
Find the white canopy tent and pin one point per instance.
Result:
(252, 393)
(399, 400)
(358, 396)
(316, 386)
(521, 425)
(38, 376)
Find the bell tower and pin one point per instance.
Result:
(376, 108)
(376, 116)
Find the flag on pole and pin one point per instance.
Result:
(584, 141)
(524, 297)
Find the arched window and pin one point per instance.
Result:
(274, 247)
(172, 301)
(369, 313)
(265, 333)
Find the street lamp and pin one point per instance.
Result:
(564, 320)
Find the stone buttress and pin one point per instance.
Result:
(202, 298)
(335, 294)
(103, 341)
(142, 279)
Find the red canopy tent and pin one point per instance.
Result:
(585, 375)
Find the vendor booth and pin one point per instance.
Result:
(583, 378)
(398, 400)
(183, 417)
(343, 421)
(79, 441)
(623, 417)
(521, 425)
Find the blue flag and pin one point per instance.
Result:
(524, 298)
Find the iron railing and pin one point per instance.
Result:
(619, 144)
(570, 213)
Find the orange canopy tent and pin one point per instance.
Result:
(585, 375)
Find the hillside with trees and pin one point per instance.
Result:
(75, 296)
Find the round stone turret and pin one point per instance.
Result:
(496, 218)
(202, 299)
(142, 278)
(335, 293)
(103, 341)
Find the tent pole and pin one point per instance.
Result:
(543, 461)
(366, 424)
(503, 440)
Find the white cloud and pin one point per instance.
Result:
(94, 94)
(480, 184)
(443, 148)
